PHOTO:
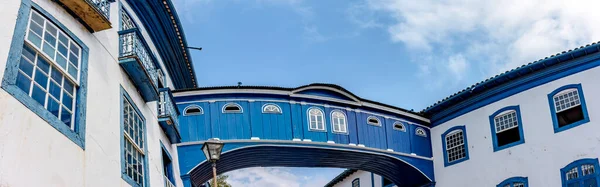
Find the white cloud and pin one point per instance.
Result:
(272, 177)
(487, 37)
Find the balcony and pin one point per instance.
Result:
(168, 115)
(140, 65)
(93, 13)
(168, 182)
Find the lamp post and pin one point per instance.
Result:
(212, 151)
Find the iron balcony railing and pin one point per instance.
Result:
(168, 182)
(102, 5)
(133, 46)
(167, 107)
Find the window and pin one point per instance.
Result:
(167, 167)
(356, 182)
(454, 142)
(134, 140)
(507, 130)
(338, 122)
(568, 108)
(271, 109)
(421, 132)
(514, 182)
(316, 119)
(399, 126)
(193, 110)
(580, 173)
(232, 108)
(372, 120)
(44, 70)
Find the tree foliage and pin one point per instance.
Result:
(221, 180)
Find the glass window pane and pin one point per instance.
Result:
(35, 40)
(50, 39)
(43, 64)
(26, 67)
(73, 71)
(29, 53)
(55, 90)
(65, 117)
(75, 49)
(62, 38)
(68, 86)
(73, 59)
(51, 29)
(49, 50)
(35, 28)
(62, 62)
(53, 107)
(23, 82)
(38, 95)
(56, 75)
(62, 49)
(41, 79)
(37, 18)
(67, 101)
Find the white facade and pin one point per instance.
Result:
(543, 153)
(33, 153)
(366, 179)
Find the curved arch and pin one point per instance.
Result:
(316, 119)
(189, 110)
(340, 119)
(512, 180)
(420, 132)
(372, 120)
(506, 120)
(310, 87)
(271, 108)
(399, 126)
(576, 168)
(401, 172)
(231, 108)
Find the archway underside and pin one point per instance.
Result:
(399, 172)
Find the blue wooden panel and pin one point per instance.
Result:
(316, 136)
(371, 135)
(297, 121)
(397, 140)
(269, 125)
(352, 127)
(419, 144)
(141, 79)
(195, 127)
(230, 125)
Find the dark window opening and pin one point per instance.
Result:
(569, 116)
(356, 182)
(167, 167)
(193, 111)
(232, 108)
(373, 121)
(399, 127)
(508, 136)
(387, 182)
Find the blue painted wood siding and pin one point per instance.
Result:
(293, 123)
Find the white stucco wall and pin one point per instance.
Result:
(33, 153)
(542, 155)
(364, 178)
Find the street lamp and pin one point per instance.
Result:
(212, 151)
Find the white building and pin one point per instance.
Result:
(358, 178)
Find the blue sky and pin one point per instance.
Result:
(401, 52)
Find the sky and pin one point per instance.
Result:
(405, 53)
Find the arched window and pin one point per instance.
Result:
(372, 120)
(514, 182)
(454, 142)
(232, 108)
(580, 173)
(421, 132)
(193, 110)
(399, 126)
(567, 106)
(338, 122)
(271, 109)
(316, 119)
(507, 130)
(356, 182)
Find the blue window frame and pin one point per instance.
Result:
(580, 173)
(514, 182)
(356, 182)
(46, 71)
(567, 107)
(454, 143)
(133, 143)
(316, 119)
(506, 127)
